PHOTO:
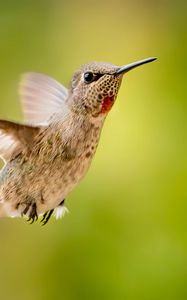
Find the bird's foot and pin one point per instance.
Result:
(33, 214)
(46, 217)
(59, 211)
(30, 210)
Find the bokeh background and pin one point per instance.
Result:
(126, 234)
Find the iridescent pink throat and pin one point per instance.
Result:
(107, 104)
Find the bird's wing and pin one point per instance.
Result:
(7, 146)
(14, 137)
(41, 97)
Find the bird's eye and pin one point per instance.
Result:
(88, 77)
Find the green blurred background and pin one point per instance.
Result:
(126, 234)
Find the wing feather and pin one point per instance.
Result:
(7, 146)
(41, 97)
(14, 137)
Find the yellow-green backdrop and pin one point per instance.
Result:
(125, 237)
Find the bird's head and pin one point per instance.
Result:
(95, 85)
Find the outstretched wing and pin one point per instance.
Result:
(7, 146)
(41, 97)
(14, 137)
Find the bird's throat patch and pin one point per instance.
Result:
(107, 104)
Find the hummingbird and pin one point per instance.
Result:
(47, 156)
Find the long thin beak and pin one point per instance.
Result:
(125, 69)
